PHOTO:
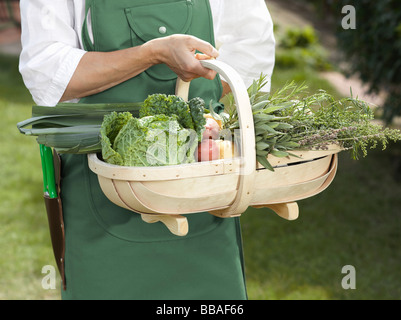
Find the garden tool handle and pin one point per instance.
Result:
(49, 179)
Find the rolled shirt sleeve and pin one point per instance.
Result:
(244, 37)
(50, 48)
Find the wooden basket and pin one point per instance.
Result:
(224, 188)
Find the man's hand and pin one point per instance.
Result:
(99, 71)
(178, 53)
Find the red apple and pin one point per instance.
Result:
(208, 150)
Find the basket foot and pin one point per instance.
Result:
(177, 224)
(288, 211)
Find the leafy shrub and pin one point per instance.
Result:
(300, 47)
(296, 37)
(373, 49)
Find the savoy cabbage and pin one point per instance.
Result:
(156, 140)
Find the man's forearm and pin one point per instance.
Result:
(98, 71)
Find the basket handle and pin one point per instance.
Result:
(247, 134)
(178, 224)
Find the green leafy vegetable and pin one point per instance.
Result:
(72, 127)
(111, 126)
(189, 115)
(149, 141)
(197, 109)
(168, 105)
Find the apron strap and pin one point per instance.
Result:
(86, 40)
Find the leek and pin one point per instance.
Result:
(72, 127)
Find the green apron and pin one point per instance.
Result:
(110, 252)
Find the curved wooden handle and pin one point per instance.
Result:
(247, 135)
(177, 224)
(182, 89)
(247, 138)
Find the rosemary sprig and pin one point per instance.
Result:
(290, 119)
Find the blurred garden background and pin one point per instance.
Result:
(356, 221)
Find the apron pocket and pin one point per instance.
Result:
(157, 21)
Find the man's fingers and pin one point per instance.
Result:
(196, 70)
(178, 52)
(207, 52)
(209, 74)
(204, 47)
(192, 68)
(202, 56)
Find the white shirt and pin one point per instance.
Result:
(52, 45)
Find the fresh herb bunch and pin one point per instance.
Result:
(290, 119)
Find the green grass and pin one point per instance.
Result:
(11, 85)
(24, 238)
(301, 75)
(356, 221)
